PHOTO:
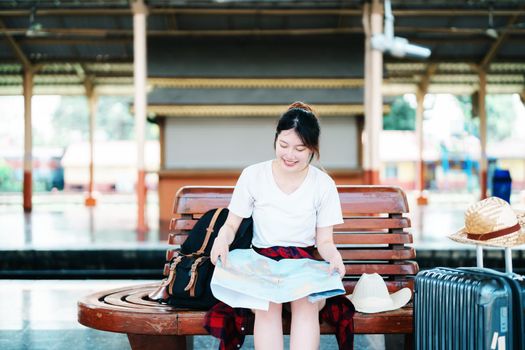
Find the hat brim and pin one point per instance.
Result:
(512, 240)
(399, 299)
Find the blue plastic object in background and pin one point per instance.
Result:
(501, 184)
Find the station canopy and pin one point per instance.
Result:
(67, 42)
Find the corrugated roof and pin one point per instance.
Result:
(99, 35)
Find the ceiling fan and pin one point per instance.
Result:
(35, 29)
(493, 32)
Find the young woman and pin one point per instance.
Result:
(294, 206)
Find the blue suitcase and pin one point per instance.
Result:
(469, 308)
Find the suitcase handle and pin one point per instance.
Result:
(508, 258)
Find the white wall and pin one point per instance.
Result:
(233, 143)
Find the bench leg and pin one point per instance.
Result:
(409, 341)
(160, 342)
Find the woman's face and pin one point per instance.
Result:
(291, 154)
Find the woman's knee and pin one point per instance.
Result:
(274, 310)
(304, 305)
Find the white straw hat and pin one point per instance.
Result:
(492, 222)
(371, 295)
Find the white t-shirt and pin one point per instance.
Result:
(282, 219)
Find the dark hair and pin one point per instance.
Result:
(301, 118)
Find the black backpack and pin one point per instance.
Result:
(189, 269)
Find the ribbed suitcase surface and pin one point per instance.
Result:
(468, 309)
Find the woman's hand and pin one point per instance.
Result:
(326, 248)
(219, 250)
(336, 264)
(221, 245)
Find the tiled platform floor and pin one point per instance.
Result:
(42, 315)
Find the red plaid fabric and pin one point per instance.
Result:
(339, 312)
(278, 253)
(230, 324)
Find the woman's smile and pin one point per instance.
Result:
(289, 163)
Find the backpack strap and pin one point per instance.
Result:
(173, 272)
(209, 231)
(194, 274)
(163, 290)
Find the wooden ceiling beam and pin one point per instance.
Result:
(455, 12)
(188, 11)
(69, 41)
(128, 40)
(103, 32)
(19, 53)
(451, 30)
(493, 50)
(451, 12)
(458, 40)
(425, 80)
(88, 78)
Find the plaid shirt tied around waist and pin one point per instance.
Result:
(230, 324)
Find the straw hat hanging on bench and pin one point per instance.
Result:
(492, 222)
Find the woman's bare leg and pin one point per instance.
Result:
(304, 330)
(268, 328)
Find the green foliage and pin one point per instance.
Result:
(7, 180)
(471, 122)
(70, 120)
(500, 116)
(114, 120)
(401, 117)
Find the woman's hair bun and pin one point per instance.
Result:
(301, 105)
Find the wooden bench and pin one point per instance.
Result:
(372, 239)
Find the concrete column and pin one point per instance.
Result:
(374, 111)
(140, 75)
(420, 171)
(90, 200)
(483, 163)
(28, 141)
(367, 91)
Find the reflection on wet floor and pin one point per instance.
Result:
(62, 221)
(42, 315)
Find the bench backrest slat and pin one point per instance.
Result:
(372, 238)
(354, 199)
(406, 268)
(350, 224)
(359, 254)
(341, 238)
(372, 199)
(375, 254)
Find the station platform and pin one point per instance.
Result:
(63, 251)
